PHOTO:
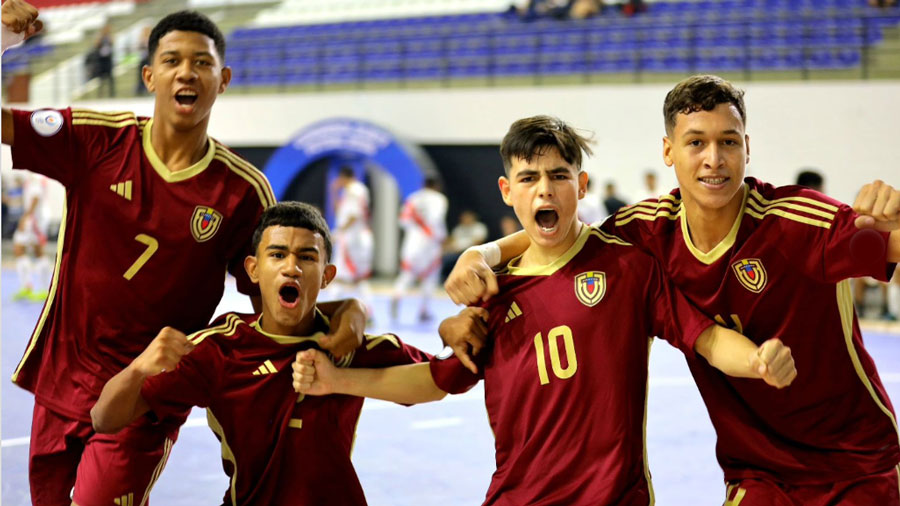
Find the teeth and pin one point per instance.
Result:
(187, 93)
(713, 180)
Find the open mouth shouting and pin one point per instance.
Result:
(186, 98)
(289, 295)
(547, 220)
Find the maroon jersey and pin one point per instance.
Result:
(781, 272)
(140, 247)
(565, 374)
(277, 447)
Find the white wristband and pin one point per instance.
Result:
(9, 38)
(490, 251)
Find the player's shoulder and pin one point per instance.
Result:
(109, 122)
(225, 328)
(246, 171)
(789, 206)
(653, 213)
(380, 341)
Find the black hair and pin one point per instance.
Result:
(293, 214)
(701, 93)
(810, 179)
(186, 21)
(530, 137)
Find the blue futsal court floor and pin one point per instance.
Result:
(432, 454)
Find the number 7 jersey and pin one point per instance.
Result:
(565, 373)
(140, 246)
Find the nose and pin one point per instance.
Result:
(544, 186)
(186, 71)
(291, 267)
(713, 156)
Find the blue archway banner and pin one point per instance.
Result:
(345, 138)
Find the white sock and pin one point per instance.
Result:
(23, 269)
(42, 272)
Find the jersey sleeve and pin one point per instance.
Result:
(251, 210)
(193, 382)
(386, 350)
(451, 376)
(672, 316)
(52, 143)
(839, 251)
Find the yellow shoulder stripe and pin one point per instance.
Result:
(109, 116)
(228, 328)
(646, 207)
(373, 341)
(609, 238)
(251, 170)
(803, 200)
(106, 123)
(263, 190)
(788, 215)
(662, 212)
(787, 205)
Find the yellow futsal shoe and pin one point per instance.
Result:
(38, 295)
(23, 294)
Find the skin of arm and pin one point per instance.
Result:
(348, 323)
(315, 374)
(7, 126)
(120, 402)
(473, 280)
(735, 355)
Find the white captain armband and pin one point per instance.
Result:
(490, 251)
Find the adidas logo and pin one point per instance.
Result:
(266, 368)
(125, 500)
(513, 312)
(122, 189)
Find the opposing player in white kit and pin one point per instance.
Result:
(34, 273)
(352, 235)
(423, 219)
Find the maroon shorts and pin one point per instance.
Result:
(104, 469)
(882, 489)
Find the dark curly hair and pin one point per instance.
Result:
(186, 21)
(701, 93)
(530, 137)
(293, 214)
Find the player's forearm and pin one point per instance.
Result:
(893, 253)
(7, 126)
(727, 351)
(512, 246)
(120, 402)
(404, 384)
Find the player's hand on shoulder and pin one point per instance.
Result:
(471, 279)
(466, 333)
(347, 330)
(20, 16)
(163, 353)
(774, 363)
(314, 373)
(878, 204)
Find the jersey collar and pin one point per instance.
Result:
(180, 175)
(724, 245)
(547, 270)
(321, 324)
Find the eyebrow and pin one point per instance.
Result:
(282, 247)
(534, 172)
(178, 53)
(694, 131)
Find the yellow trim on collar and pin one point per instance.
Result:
(179, 175)
(724, 245)
(547, 270)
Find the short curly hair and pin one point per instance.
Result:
(701, 93)
(293, 214)
(186, 21)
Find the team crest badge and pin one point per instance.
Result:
(751, 273)
(205, 223)
(590, 287)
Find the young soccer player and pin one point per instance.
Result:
(767, 260)
(424, 222)
(277, 448)
(156, 211)
(566, 366)
(353, 240)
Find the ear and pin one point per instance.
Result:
(328, 275)
(667, 151)
(226, 79)
(503, 183)
(147, 77)
(582, 184)
(250, 265)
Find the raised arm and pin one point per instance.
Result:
(735, 355)
(878, 204)
(315, 374)
(348, 324)
(472, 279)
(120, 402)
